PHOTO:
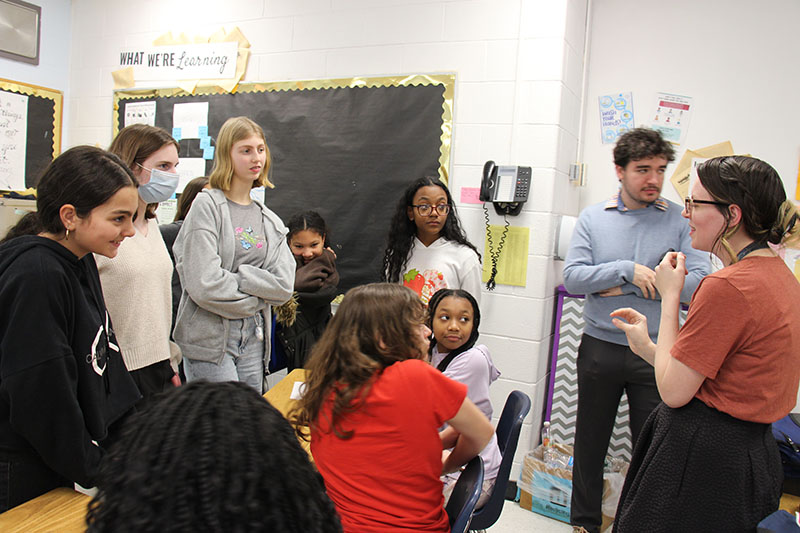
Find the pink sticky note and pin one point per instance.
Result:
(470, 195)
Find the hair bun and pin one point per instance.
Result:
(785, 223)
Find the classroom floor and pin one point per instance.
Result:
(514, 519)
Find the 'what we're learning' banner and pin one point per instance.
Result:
(182, 61)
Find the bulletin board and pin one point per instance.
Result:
(346, 148)
(30, 132)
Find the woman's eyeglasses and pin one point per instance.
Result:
(425, 209)
(689, 204)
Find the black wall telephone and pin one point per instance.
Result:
(506, 187)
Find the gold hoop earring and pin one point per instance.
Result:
(67, 237)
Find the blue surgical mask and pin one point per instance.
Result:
(161, 187)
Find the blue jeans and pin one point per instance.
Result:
(243, 360)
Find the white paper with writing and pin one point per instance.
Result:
(140, 113)
(13, 140)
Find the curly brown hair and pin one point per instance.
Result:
(374, 327)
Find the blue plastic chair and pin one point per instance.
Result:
(778, 522)
(465, 495)
(508, 428)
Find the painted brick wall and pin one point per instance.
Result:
(519, 75)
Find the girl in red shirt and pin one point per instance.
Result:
(374, 407)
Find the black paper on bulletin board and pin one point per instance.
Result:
(347, 153)
(39, 150)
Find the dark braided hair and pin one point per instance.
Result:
(434, 302)
(307, 220)
(210, 457)
(753, 185)
(402, 230)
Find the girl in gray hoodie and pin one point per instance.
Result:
(233, 263)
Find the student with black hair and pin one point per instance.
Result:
(210, 456)
(454, 317)
(426, 249)
(63, 384)
(302, 319)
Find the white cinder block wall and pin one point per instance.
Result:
(52, 71)
(519, 74)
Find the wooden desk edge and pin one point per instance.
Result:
(61, 509)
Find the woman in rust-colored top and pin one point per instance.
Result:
(706, 459)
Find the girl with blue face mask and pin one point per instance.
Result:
(137, 284)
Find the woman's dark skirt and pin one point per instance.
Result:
(696, 469)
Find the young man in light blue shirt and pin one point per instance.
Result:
(614, 250)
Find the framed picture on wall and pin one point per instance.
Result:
(20, 26)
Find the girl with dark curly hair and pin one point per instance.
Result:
(210, 457)
(426, 249)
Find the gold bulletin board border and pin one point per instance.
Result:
(42, 92)
(448, 81)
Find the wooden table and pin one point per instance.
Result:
(280, 398)
(62, 510)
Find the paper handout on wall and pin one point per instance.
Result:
(13, 138)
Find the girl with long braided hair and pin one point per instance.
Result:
(210, 457)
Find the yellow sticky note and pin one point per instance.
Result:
(512, 263)
(123, 78)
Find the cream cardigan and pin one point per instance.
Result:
(137, 287)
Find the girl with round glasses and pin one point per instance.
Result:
(426, 249)
(706, 458)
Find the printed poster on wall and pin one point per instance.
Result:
(616, 116)
(671, 116)
(13, 140)
(140, 113)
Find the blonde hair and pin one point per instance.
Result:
(234, 130)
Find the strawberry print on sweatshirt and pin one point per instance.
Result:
(425, 283)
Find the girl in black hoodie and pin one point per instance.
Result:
(302, 319)
(63, 384)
